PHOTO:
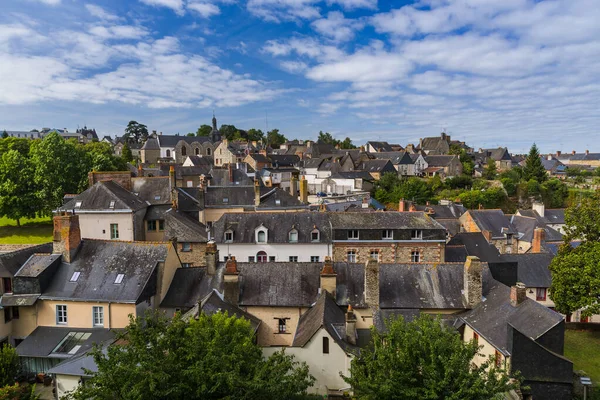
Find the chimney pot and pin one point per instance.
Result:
(212, 257)
(558, 153)
(539, 236)
(587, 152)
(412, 207)
(328, 277)
(573, 152)
(518, 294)
(402, 205)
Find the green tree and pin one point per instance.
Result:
(467, 162)
(581, 220)
(12, 143)
(214, 357)
(347, 144)
(534, 169)
(554, 193)
(99, 156)
(471, 199)
(126, 153)
(4, 134)
(424, 359)
(275, 139)
(17, 188)
(229, 132)
(326, 137)
(9, 365)
(18, 392)
(136, 132)
(491, 171)
(255, 135)
(204, 130)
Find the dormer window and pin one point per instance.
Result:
(261, 237)
(119, 278)
(416, 234)
(278, 202)
(111, 204)
(387, 234)
(315, 235)
(293, 236)
(353, 234)
(228, 236)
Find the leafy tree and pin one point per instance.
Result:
(581, 220)
(554, 193)
(255, 135)
(490, 170)
(136, 132)
(493, 197)
(9, 365)
(461, 181)
(533, 166)
(214, 357)
(275, 139)
(471, 199)
(347, 144)
(204, 130)
(424, 359)
(126, 153)
(17, 188)
(467, 162)
(18, 392)
(98, 156)
(4, 134)
(19, 144)
(229, 132)
(326, 137)
(509, 186)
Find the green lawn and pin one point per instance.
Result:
(31, 231)
(583, 348)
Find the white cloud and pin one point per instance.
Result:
(100, 13)
(175, 5)
(304, 47)
(336, 27)
(50, 2)
(354, 4)
(119, 32)
(294, 66)
(205, 10)
(284, 10)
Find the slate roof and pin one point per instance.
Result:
(526, 226)
(450, 211)
(44, 339)
(499, 154)
(76, 366)
(435, 143)
(491, 318)
(172, 140)
(99, 262)
(381, 146)
(476, 245)
(11, 262)
(493, 221)
(364, 175)
(551, 215)
(532, 268)
(279, 198)
(455, 253)
(283, 160)
(396, 157)
(376, 165)
(189, 286)
(237, 196)
(151, 144)
(198, 161)
(439, 161)
(384, 220)
(156, 212)
(36, 264)
(312, 162)
(99, 196)
(190, 199)
(154, 190)
(278, 225)
(180, 225)
(220, 177)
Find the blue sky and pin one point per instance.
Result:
(491, 72)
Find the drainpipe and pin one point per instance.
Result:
(109, 316)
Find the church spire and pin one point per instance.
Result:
(214, 121)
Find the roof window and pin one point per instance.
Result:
(78, 204)
(156, 197)
(111, 204)
(75, 276)
(119, 278)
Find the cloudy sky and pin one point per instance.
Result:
(491, 72)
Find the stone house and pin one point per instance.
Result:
(445, 166)
(435, 145)
(495, 227)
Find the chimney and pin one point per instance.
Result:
(487, 235)
(573, 152)
(518, 294)
(160, 134)
(263, 152)
(402, 205)
(558, 153)
(539, 207)
(303, 190)
(372, 283)
(412, 207)
(230, 169)
(328, 277)
(365, 202)
(308, 144)
(211, 257)
(472, 282)
(294, 186)
(67, 236)
(587, 152)
(231, 286)
(140, 172)
(172, 183)
(350, 326)
(254, 143)
(154, 132)
(256, 193)
(539, 236)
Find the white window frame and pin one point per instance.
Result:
(293, 232)
(293, 258)
(97, 316)
(387, 234)
(318, 239)
(374, 252)
(351, 256)
(61, 314)
(416, 234)
(353, 234)
(186, 246)
(315, 259)
(258, 234)
(230, 238)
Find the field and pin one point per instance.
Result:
(583, 348)
(31, 231)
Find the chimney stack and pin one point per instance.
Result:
(67, 236)
(587, 152)
(558, 153)
(539, 236)
(140, 172)
(518, 294)
(372, 283)
(256, 193)
(172, 184)
(294, 186)
(231, 287)
(328, 277)
(412, 207)
(402, 205)
(230, 169)
(303, 190)
(212, 258)
(573, 152)
(539, 207)
(350, 326)
(472, 282)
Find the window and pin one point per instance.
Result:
(186, 265)
(415, 256)
(111, 204)
(208, 152)
(293, 236)
(189, 183)
(261, 257)
(314, 235)
(156, 197)
(416, 234)
(228, 237)
(7, 315)
(15, 312)
(281, 325)
(250, 258)
(75, 276)
(387, 234)
(61, 314)
(151, 225)
(325, 345)
(168, 153)
(351, 255)
(277, 202)
(161, 224)
(114, 231)
(98, 316)
(498, 359)
(186, 246)
(183, 151)
(72, 342)
(197, 151)
(540, 294)
(374, 255)
(509, 239)
(78, 204)
(353, 234)
(271, 258)
(261, 237)
(293, 258)
(119, 278)
(7, 285)
(314, 258)
(475, 337)
(225, 200)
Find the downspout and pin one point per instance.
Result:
(109, 316)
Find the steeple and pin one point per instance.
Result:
(214, 121)
(215, 135)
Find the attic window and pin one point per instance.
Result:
(416, 234)
(75, 276)
(314, 235)
(78, 204)
(156, 197)
(278, 202)
(225, 200)
(111, 204)
(228, 236)
(293, 236)
(119, 278)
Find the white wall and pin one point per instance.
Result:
(93, 225)
(163, 152)
(66, 383)
(281, 251)
(325, 368)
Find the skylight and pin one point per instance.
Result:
(225, 199)
(72, 342)
(119, 278)
(75, 276)
(78, 204)
(156, 197)
(112, 204)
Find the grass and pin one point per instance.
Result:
(583, 348)
(31, 231)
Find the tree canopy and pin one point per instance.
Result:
(275, 139)
(424, 359)
(126, 153)
(17, 191)
(214, 357)
(326, 137)
(534, 169)
(4, 134)
(491, 171)
(136, 132)
(9, 365)
(204, 130)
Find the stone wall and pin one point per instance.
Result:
(390, 253)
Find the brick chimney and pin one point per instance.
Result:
(172, 185)
(518, 294)
(573, 152)
(587, 152)
(558, 153)
(328, 277)
(539, 239)
(372, 283)
(303, 190)
(412, 207)
(256, 193)
(211, 257)
(231, 283)
(350, 326)
(67, 236)
(140, 172)
(402, 205)
(472, 282)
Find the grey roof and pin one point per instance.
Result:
(455, 253)
(236, 196)
(376, 166)
(551, 215)
(8, 299)
(396, 157)
(279, 198)
(384, 220)
(99, 196)
(476, 245)
(172, 140)
(439, 161)
(11, 262)
(283, 160)
(352, 175)
(278, 225)
(220, 177)
(279, 284)
(99, 262)
(493, 221)
(526, 226)
(438, 211)
(380, 316)
(213, 303)
(433, 143)
(151, 144)
(188, 287)
(350, 284)
(381, 146)
(532, 268)
(199, 161)
(44, 339)
(36, 264)
(154, 190)
(491, 318)
(184, 228)
(312, 162)
(76, 365)
(155, 213)
(499, 154)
